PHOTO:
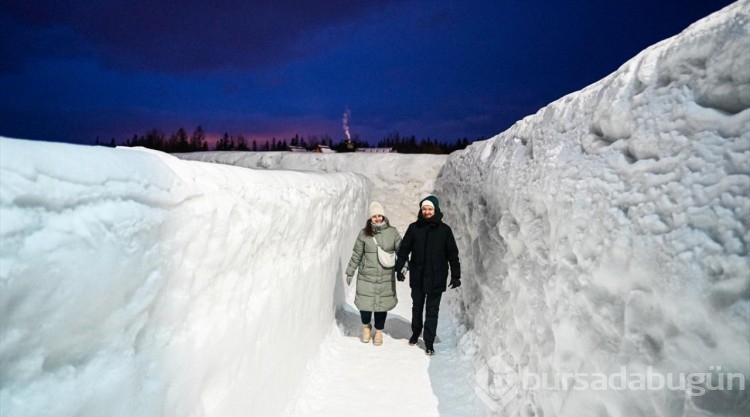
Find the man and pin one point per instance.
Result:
(433, 248)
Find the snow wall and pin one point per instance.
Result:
(399, 181)
(610, 229)
(136, 284)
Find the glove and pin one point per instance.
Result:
(348, 280)
(400, 276)
(455, 283)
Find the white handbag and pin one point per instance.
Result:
(386, 259)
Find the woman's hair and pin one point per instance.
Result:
(368, 228)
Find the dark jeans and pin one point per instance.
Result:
(420, 299)
(379, 318)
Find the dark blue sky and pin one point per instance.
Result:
(78, 70)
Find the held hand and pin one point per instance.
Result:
(348, 280)
(400, 276)
(455, 283)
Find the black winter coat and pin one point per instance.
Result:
(433, 248)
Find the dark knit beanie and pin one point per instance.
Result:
(433, 201)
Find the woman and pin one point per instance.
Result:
(376, 284)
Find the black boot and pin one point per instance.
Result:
(428, 349)
(414, 339)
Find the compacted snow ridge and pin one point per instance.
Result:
(610, 230)
(137, 284)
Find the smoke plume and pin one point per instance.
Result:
(345, 122)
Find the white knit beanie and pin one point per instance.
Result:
(376, 208)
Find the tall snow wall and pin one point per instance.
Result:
(398, 181)
(610, 230)
(136, 284)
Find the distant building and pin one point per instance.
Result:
(323, 149)
(376, 150)
(297, 149)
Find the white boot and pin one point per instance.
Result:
(378, 339)
(366, 333)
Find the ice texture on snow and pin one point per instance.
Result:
(611, 229)
(133, 283)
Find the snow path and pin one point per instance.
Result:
(353, 378)
(349, 377)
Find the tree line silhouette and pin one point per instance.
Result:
(181, 142)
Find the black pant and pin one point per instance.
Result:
(419, 299)
(379, 318)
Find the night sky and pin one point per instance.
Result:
(78, 70)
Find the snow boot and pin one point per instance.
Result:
(366, 333)
(378, 339)
(428, 349)
(414, 339)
